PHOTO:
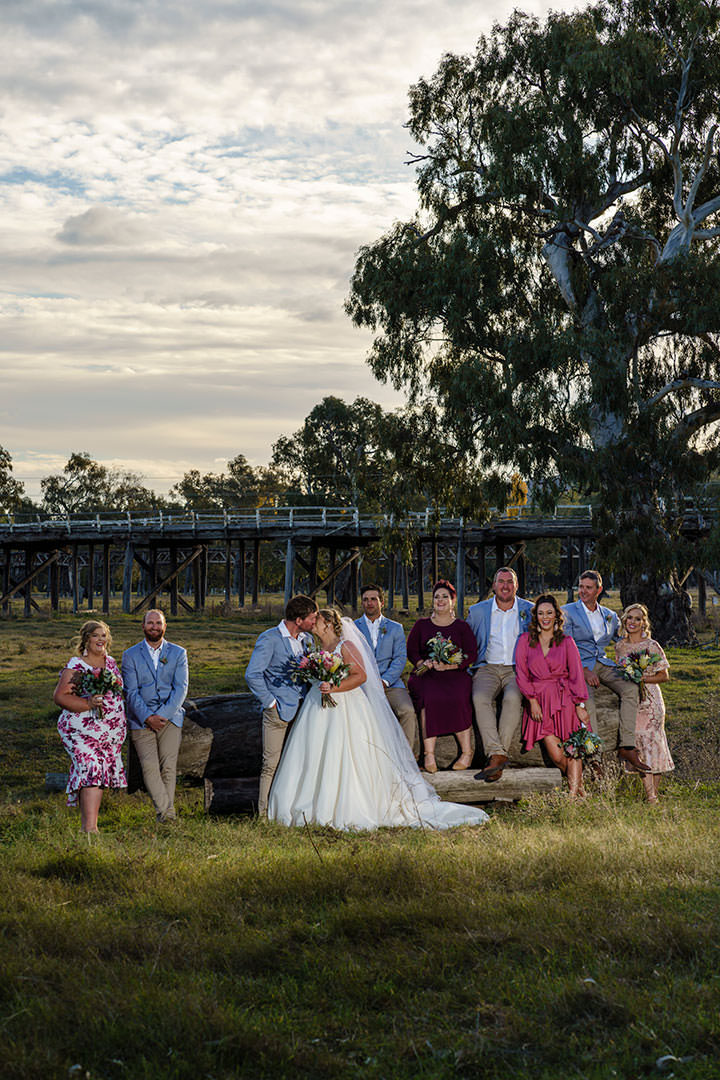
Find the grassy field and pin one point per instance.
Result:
(558, 940)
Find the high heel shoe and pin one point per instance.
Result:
(463, 762)
(430, 765)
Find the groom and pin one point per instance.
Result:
(269, 676)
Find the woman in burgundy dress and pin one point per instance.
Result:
(550, 677)
(441, 695)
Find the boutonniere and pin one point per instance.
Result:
(163, 660)
(524, 615)
(383, 629)
(608, 619)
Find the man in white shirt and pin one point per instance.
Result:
(497, 624)
(387, 641)
(155, 678)
(593, 627)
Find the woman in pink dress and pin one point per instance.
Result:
(92, 729)
(441, 695)
(549, 674)
(650, 739)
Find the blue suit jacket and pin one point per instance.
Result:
(478, 618)
(391, 650)
(149, 692)
(577, 625)
(269, 673)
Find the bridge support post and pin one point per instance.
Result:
(289, 569)
(460, 577)
(420, 577)
(241, 574)
(75, 582)
(91, 577)
(127, 577)
(256, 572)
(106, 579)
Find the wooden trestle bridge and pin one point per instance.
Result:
(90, 557)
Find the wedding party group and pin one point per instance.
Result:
(347, 743)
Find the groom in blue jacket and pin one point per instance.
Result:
(155, 676)
(269, 676)
(386, 638)
(593, 627)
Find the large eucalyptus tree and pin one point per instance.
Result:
(557, 291)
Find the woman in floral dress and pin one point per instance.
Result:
(651, 742)
(92, 729)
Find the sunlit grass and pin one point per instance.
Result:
(558, 940)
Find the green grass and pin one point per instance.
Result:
(557, 941)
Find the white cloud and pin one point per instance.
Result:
(183, 188)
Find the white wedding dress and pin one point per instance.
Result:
(351, 766)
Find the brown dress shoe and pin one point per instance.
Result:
(630, 755)
(493, 769)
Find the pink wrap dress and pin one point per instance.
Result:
(558, 683)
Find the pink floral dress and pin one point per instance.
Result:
(94, 742)
(650, 738)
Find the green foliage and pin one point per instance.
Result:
(86, 486)
(241, 485)
(11, 490)
(555, 296)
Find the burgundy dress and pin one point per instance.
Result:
(557, 681)
(445, 695)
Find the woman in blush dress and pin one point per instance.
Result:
(549, 674)
(442, 693)
(92, 729)
(650, 735)
(351, 766)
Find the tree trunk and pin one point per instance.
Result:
(668, 604)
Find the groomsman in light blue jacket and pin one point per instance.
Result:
(387, 640)
(593, 627)
(497, 624)
(269, 676)
(155, 675)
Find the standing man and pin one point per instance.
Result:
(593, 627)
(155, 673)
(387, 640)
(497, 624)
(269, 676)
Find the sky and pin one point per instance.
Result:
(184, 186)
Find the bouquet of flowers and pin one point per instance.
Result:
(318, 666)
(96, 681)
(582, 744)
(443, 650)
(634, 665)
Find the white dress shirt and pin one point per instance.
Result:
(154, 652)
(504, 631)
(596, 620)
(296, 643)
(374, 628)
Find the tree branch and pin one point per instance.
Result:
(681, 384)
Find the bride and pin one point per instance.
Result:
(351, 767)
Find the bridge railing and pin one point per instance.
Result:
(317, 517)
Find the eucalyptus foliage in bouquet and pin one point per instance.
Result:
(94, 681)
(582, 744)
(443, 650)
(318, 666)
(635, 664)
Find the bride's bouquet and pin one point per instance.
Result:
(582, 744)
(634, 665)
(443, 650)
(318, 666)
(94, 681)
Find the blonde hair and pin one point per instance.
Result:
(331, 616)
(83, 636)
(646, 629)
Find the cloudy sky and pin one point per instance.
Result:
(184, 185)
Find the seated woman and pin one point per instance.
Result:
(550, 676)
(651, 740)
(442, 693)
